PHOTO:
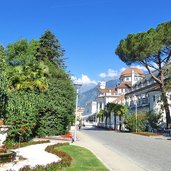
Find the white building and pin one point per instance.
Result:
(90, 110)
(117, 94)
(148, 96)
(133, 85)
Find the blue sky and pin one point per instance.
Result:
(89, 30)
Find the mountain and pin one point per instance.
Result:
(112, 83)
(87, 87)
(90, 95)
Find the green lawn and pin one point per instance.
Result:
(83, 159)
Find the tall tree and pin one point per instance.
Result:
(151, 49)
(3, 84)
(50, 48)
(121, 110)
(111, 108)
(58, 104)
(21, 52)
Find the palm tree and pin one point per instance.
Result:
(100, 115)
(28, 77)
(120, 109)
(111, 108)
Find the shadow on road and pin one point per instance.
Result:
(94, 128)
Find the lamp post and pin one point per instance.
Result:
(135, 103)
(77, 86)
(19, 141)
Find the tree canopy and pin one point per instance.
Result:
(50, 48)
(37, 96)
(152, 49)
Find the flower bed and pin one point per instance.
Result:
(24, 144)
(64, 162)
(68, 135)
(146, 133)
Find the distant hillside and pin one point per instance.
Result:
(90, 95)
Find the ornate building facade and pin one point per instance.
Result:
(134, 88)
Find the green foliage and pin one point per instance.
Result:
(130, 122)
(117, 108)
(56, 115)
(168, 83)
(37, 97)
(50, 48)
(147, 47)
(70, 159)
(26, 77)
(21, 52)
(72, 119)
(84, 160)
(101, 113)
(153, 119)
(22, 114)
(3, 103)
(153, 50)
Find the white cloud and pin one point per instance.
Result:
(83, 80)
(106, 76)
(112, 74)
(109, 74)
(140, 67)
(122, 69)
(103, 75)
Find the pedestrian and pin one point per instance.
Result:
(79, 126)
(72, 139)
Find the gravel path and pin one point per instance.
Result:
(34, 154)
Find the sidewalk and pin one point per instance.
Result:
(113, 161)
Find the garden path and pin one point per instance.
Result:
(34, 154)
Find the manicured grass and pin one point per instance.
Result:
(83, 159)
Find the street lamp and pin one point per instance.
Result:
(77, 86)
(135, 103)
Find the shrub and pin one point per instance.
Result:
(153, 119)
(130, 122)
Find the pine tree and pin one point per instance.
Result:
(50, 48)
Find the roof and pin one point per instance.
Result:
(148, 77)
(128, 71)
(126, 84)
(107, 90)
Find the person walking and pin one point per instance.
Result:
(79, 126)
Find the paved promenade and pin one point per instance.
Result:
(113, 161)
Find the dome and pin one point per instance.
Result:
(128, 72)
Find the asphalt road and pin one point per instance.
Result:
(150, 153)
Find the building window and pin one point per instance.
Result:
(144, 101)
(100, 105)
(154, 98)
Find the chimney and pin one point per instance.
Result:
(102, 85)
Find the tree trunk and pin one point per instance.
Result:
(160, 80)
(106, 121)
(166, 108)
(114, 121)
(120, 122)
(110, 120)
